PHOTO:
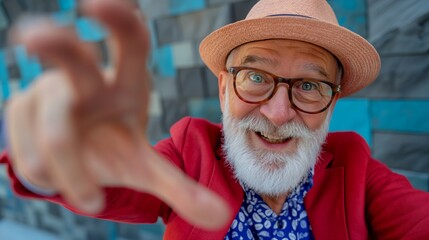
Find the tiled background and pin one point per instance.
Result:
(392, 114)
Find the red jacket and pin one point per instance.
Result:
(353, 197)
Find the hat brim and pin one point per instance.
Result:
(360, 61)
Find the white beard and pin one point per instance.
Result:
(268, 172)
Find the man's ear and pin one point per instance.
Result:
(334, 101)
(222, 84)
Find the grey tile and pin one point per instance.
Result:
(190, 82)
(240, 9)
(95, 235)
(13, 9)
(38, 6)
(2, 203)
(4, 22)
(166, 87)
(3, 38)
(216, 2)
(168, 30)
(30, 215)
(155, 131)
(210, 83)
(54, 210)
(402, 151)
(154, 9)
(400, 77)
(10, 57)
(174, 110)
(410, 39)
(387, 15)
(199, 61)
(128, 231)
(196, 26)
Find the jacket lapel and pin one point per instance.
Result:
(233, 193)
(324, 203)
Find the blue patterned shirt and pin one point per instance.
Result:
(257, 221)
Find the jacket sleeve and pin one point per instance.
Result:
(394, 209)
(122, 204)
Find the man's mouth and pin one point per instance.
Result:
(273, 139)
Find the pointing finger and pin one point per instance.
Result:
(191, 201)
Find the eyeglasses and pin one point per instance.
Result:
(308, 95)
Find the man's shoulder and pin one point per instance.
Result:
(345, 140)
(344, 146)
(195, 134)
(191, 125)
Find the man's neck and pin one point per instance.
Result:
(275, 203)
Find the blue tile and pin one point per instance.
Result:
(164, 56)
(64, 18)
(18, 231)
(185, 6)
(352, 115)
(206, 108)
(66, 5)
(351, 14)
(152, 61)
(4, 77)
(29, 67)
(113, 230)
(401, 115)
(89, 30)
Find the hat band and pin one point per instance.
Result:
(288, 15)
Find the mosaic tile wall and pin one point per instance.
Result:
(391, 114)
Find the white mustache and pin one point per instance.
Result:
(263, 125)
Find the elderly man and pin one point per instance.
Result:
(271, 171)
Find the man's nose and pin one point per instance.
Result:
(279, 109)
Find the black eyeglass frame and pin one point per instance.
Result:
(336, 88)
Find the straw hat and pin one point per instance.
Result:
(311, 21)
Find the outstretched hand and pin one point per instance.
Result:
(78, 128)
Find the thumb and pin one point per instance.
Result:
(192, 201)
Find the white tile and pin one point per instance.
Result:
(183, 55)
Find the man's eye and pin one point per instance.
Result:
(256, 78)
(309, 86)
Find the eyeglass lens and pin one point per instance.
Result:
(307, 94)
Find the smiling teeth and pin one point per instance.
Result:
(272, 138)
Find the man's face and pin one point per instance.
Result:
(272, 146)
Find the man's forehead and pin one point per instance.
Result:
(268, 52)
(248, 58)
(276, 46)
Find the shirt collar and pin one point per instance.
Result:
(297, 194)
